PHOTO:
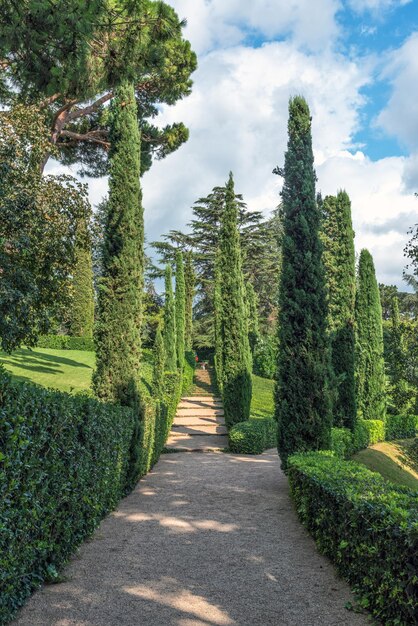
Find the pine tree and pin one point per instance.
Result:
(170, 337)
(81, 319)
(159, 358)
(117, 333)
(180, 309)
(370, 367)
(302, 393)
(236, 354)
(253, 322)
(190, 280)
(340, 271)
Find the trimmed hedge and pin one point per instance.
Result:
(65, 342)
(367, 432)
(342, 442)
(366, 526)
(253, 436)
(401, 426)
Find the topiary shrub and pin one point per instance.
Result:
(367, 432)
(253, 436)
(65, 342)
(401, 426)
(342, 442)
(356, 517)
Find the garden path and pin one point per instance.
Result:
(204, 540)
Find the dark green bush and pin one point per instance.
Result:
(65, 342)
(188, 372)
(367, 432)
(253, 436)
(366, 526)
(342, 442)
(401, 426)
(265, 357)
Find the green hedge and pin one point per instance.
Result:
(367, 432)
(366, 526)
(401, 426)
(342, 442)
(64, 342)
(253, 436)
(188, 373)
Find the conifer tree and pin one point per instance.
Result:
(170, 337)
(190, 280)
(120, 289)
(217, 321)
(253, 321)
(81, 318)
(340, 271)
(180, 309)
(370, 367)
(159, 358)
(236, 355)
(401, 394)
(302, 391)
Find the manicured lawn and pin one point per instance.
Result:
(393, 461)
(262, 404)
(65, 370)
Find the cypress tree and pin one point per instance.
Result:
(117, 332)
(170, 338)
(190, 280)
(82, 307)
(340, 271)
(217, 322)
(400, 391)
(370, 367)
(236, 355)
(253, 318)
(180, 309)
(302, 392)
(159, 358)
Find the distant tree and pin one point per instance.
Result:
(340, 270)
(81, 319)
(370, 367)
(236, 354)
(190, 281)
(303, 406)
(180, 309)
(253, 322)
(170, 335)
(159, 358)
(118, 332)
(401, 393)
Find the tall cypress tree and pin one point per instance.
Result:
(158, 364)
(217, 321)
(340, 271)
(253, 318)
(190, 280)
(81, 319)
(370, 367)
(401, 394)
(170, 337)
(120, 291)
(302, 393)
(180, 309)
(236, 354)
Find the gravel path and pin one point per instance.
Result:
(206, 539)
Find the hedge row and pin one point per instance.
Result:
(64, 342)
(253, 436)
(366, 526)
(345, 443)
(65, 462)
(401, 426)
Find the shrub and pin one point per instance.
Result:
(188, 372)
(253, 436)
(366, 526)
(65, 342)
(367, 432)
(342, 442)
(265, 357)
(401, 426)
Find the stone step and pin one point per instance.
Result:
(201, 398)
(184, 443)
(200, 429)
(200, 404)
(193, 420)
(199, 412)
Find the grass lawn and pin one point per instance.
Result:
(65, 370)
(262, 404)
(393, 461)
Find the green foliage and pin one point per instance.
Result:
(235, 355)
(190, 281)
(253, 436)
(188, 373)
(342, 442)
(252, 312)
(303, 406)
(262, 401)
(159, 358)
(180, 309)
(356, 516)
(340, 271)
(367, 432)
(81, 315)
(401, 426)
(64, 342)
(370, 367)
(401, 392)
(38, 224)
(170, 335)
(120, 289)
(265, 356)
